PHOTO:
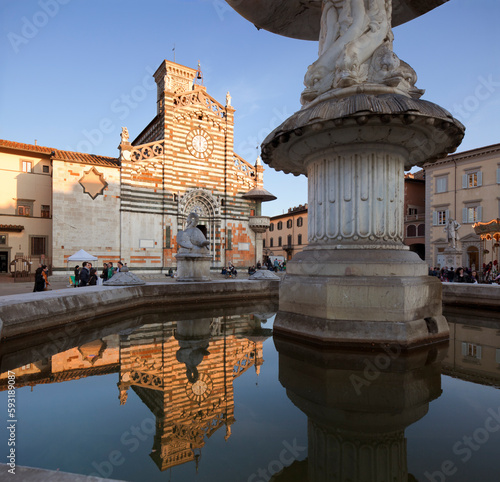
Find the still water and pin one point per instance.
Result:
(212, 397)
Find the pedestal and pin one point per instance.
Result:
(193, 267)
(356, 282)
(452, 258)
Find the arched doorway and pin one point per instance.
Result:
(472, 257)
(207, 206)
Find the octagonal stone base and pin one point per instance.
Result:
(193, 267)
(361, 297)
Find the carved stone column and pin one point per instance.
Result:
(362, 124)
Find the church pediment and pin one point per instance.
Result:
(474, 238)
(199, 97)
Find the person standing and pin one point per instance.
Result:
(77, 275)
(39, 280)
(104, 274)
(111, 270)
(92, 277)
(84, 274)
(45, 274)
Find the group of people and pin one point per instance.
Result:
(459, 275)
(276, 265)
(41, 278)
(86, 275)
(230, 271)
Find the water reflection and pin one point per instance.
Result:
(183, 371)
(183, 367)
(358, 407)
(474, 353)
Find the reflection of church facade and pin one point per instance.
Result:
(182, 371)
(132, 207)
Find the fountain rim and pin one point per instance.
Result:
(289, 18)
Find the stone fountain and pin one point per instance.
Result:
(361, 125)
(193, 256)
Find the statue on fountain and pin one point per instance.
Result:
(193, 255)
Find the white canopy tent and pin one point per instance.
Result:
(82, 255)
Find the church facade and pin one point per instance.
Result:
(130, 208)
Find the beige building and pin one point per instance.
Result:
(464, 187)
(25, 202)
(130, 208)
(287, 234)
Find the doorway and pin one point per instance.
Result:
(473, 257)
(4, 261)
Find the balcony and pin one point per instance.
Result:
(259, 224)
(414, 217)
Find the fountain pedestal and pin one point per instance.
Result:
(356, 282)
(362, 124)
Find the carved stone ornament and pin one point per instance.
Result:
(201, 201)
(93, 183)
(355, 47)
(355, 41)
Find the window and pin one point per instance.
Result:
(472, 179)
(23, 210)
(271, 242)
(229, 240)
(263, 243)
(300, 222)
(289, 223)
(471, 214)
(421, 230)
(3, 239)
(271, 227)
(45, 211)
(441, 184)
(280, 225)
(411, 231)
(38, 245)
(279, 241)
(289, 240)
(45, 169)
(168, 244)
(440, 217)
(412, 211)
(26, 166)
(471, 350)
(498, 175)
(299, 239)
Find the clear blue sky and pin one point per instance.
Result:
(66, 75)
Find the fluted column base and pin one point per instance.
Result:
(338, 455)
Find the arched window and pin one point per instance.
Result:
(421, 230)
(271, 227)
(289, 242)
(271, 242)
(280, 225)
(300, 222)
(411, 231)
(289, 223)
(279, 241)
(263, 243)
(299, 239)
